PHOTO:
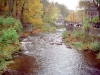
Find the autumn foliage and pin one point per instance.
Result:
(27, 11)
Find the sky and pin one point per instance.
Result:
(71, 4)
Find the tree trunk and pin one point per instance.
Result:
(16, 10)
(22, 11)
(98, 12)
(11, 4)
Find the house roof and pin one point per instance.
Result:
(91, 8)
(60, 16)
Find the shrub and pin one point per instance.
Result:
(10, 31)
(95, 19)
(64, 34)
(86, 25)
(10, 22)
(79, 45)
(18, 27)
(1, 20)
(9, 36)
(78, 34)
(3, 63)
(95, 46)
(98, 55)
(48, 28)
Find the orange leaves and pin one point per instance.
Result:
(36, 31)
(25, 34)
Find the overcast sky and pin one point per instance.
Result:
(71, 4)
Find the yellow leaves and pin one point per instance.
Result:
(71, 17)
(49, 8)
(33, 12)
(51, 13)
(36, 21)
(6, 8)
(10, 48)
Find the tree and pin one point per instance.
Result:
(97, 4)
(80, 15)
(71, 17)
(11, 8)
(63, 9)
(29, 11)
(84, 4)
(45, 3)
(32, 12)
(50, 13)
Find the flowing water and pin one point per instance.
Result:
(46, 54)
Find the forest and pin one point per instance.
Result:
(14, 14)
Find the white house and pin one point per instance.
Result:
(60, 20)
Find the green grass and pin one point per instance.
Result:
(95, 46)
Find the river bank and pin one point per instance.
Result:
(46, 54)
(80, 39)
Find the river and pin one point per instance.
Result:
(46, 54)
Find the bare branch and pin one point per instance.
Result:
(95, 2)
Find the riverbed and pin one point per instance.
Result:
(46, 54)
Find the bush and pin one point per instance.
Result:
(79, 45)
(86, 25)
(9, 36)
(95, 46)
(64, 34)
(1, 20)
(10, 31)
(98, 55)
(10, 22)
(95, 19)
(48, 28)
(78, 34)
(3, 64)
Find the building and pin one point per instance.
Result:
(60, 20)
(91, 12)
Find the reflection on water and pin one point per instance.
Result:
(45, 54)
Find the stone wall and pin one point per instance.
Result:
(95, 31)
(92, 31)
(27, 27)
